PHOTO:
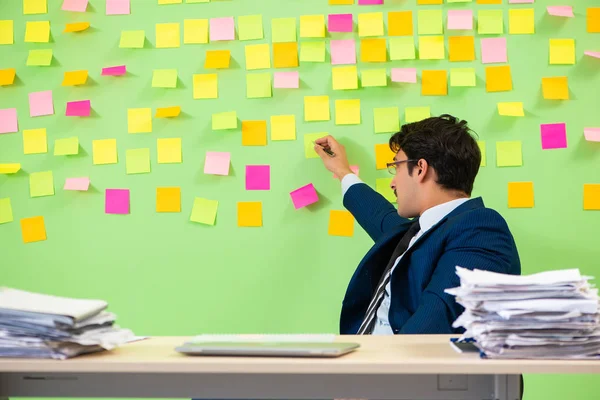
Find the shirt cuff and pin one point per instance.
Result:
(349, 180)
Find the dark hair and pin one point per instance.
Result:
(445, 142)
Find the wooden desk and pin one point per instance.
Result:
(385, 367)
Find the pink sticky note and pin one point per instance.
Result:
(408, 75)
(40, 103)
(118, 7)
(222, 29)
(521, 1)
(304, 196)
(554, 136)
(8, 120)
(460, 19)
(353, 168)
(114, 71)
(560, 11)
(592, 134)
(339, 23)
(217, 163)
(595, 54)
(82, 184)
(116, 201)
(79, 108)
(74, 5)
(343, 51)
(258, 177)
(369, 2)
(493, 50)
(287, 80)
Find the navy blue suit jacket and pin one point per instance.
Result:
(472, 236)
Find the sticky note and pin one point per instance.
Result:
(217, 163)
(383, 155)
(373, 77)
(562, 51)
(6, 214)
(489, 1)
(9, 168)
(382, 186)
(41, 184)
(434, 83)
(168, 199)
(116, 201)
(224, 120)
(490, 22)
(132, 39)
(520, 194)
(80, 184)
(7, 31)
(67, 146)
(283, 30)
(429, 22)
(258, 56)
(309, 145)
(139, 120)
(287, 80)
(81, 108)
(114, 71)
(340, 2)
(197, 1)
(493, 50)
(168, 35)
(39, 57)
(560, 11)
(511, 109)
(483, 152)
(369, 2)
(402, 48)
(34, 141)
(164, 78)
(347, 112)
(7, 76)
(195, 31)
(373, 50)
(555, 88)
(509, 154)
(258, 85)
(40, 103)
(370, 24)
(118, 7)
(313, 51)
(386, 119)
(204, 211)
(35, 7)
(258, 177)
(341, 223)
(33, 229)
(74, 5)
(521, 21)
(406, 75)
(415, 114)
(461, 48)
(593, 19)
(498, 79)
(283, 127)
(37, 32)
(316, 108)
(429, 2)
(521, 1)
(304, 196)
(400, 23)
(168, 112)
(460, 20)
(254, 133)
(595, 54)
(168, 150)
(8, 120)
(340, 23)
(76, 27)
(249, 214)
(431, 47)
(206, 86)
(222, 29)
(250, 27)
(104, 151)
(463, 77)
(285, 55)
(343, 51)
(554, 136)
(312, 26)
(344, 77)
(75, 78)
(591, 134)
(591, 196)
(137, 161)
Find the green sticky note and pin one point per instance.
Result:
(250, 27)
(462, 77)
(164, 78)
(309, 145)
(41, 184)
(224, 120)
(430, 22)
(138, 161)
(509, 154)
(39, 57)
(387, 119)
(66, 147)
(132, 39)
(258, 85)
(204, 211)
(415, 114)
(481, 145)
(6, 214)
(373, 77)
(382, 186)
(312, 51)
(490, 22)
(402, 48)
(283, 30)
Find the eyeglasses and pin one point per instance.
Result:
(393, 166)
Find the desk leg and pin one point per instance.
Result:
(507, 387)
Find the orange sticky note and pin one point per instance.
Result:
(76, 27)
(555, 88)
(428, 2)
(341, 2)
(168, 199)
(7, 76)
(383, 155)
(254, 133)
(489, 1)
(593, 19)
(461, 48)
(168, 112)
(498, 79)
(285, 55)
(74, 78)
(249, 214)
(217, 59)
(33, 229)
(591, 196)
(373, 50)
(520, 194)
(341, 223)
(434, 83)
(400, 23)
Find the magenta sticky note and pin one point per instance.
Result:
(217, 163)
(560, 11)
(343, 51)
(304, 196)
(81, 108)
(369, 2)
(258, 177)
(40, 103)
(118, 7)
(460, 19)
(595, 54)
(592, 134)
(493, 50)
(554, 136)
(116, 201)
(81, 184)
(74, 5)
(222, 29)
(287, 80)
(340, 23)
(407, 75)
(8, 120)
(114, 71)
(354, 168)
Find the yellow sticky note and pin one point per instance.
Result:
(415, 114)
(555, 88)
(562, 51)
(383, 155)
(258, 85)
(429, 22)
(162, 2)
(137, 161)
(283, 127)
(482, 150)
(312, 26)
(498, 79)
(7, 76)
(164, 78)
(373, 50)
(258, 56)
(312, 51)
(205, 86)
(490, 22)
(520, 194)
(217, 59)
(9, 168)
(168, 150)
(521, 21)
(195, 31)
(347, 112)
(400, 23)
(382, 186)
(6, 214)
(74, 78)
(344, 77)
(341, 223)
(224, 120)
(461, 48)
(509, 154)
(593, 19)
(204, 211)
(462, 77)
(37, 32)
(373, 77)
(167, 35)
(250, 27)
(591, 196)
(341, 2)
(34, 141)
(66, 146)
(33, 229)
(285, 55)
(168, 199)
(431, 47)
(7, 32)
(402, 48)
(139, 120)
(168, 112)
(511, 109)
(104, 151)
(434, 83)
(370, 24)
(254, 133)
(39, 57)
(249, 213)
(76, 27)
(41, 184)
(386, 119)
(489, 1)
(309, 143)
(316, 108)
(132, 39)
(35, 7)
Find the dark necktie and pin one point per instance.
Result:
(371, 315)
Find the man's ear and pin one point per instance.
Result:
(422, 168)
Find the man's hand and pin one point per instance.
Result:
(338, 164)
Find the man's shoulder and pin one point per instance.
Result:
(475, 214)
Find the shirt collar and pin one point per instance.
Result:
(435, 214)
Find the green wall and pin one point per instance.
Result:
(165, 275)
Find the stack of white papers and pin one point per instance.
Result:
(35, 325)
(549, 315)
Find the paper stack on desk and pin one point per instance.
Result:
(40, 326)
(549, 315)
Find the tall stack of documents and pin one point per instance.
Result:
(35, 325)
(548, 315)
